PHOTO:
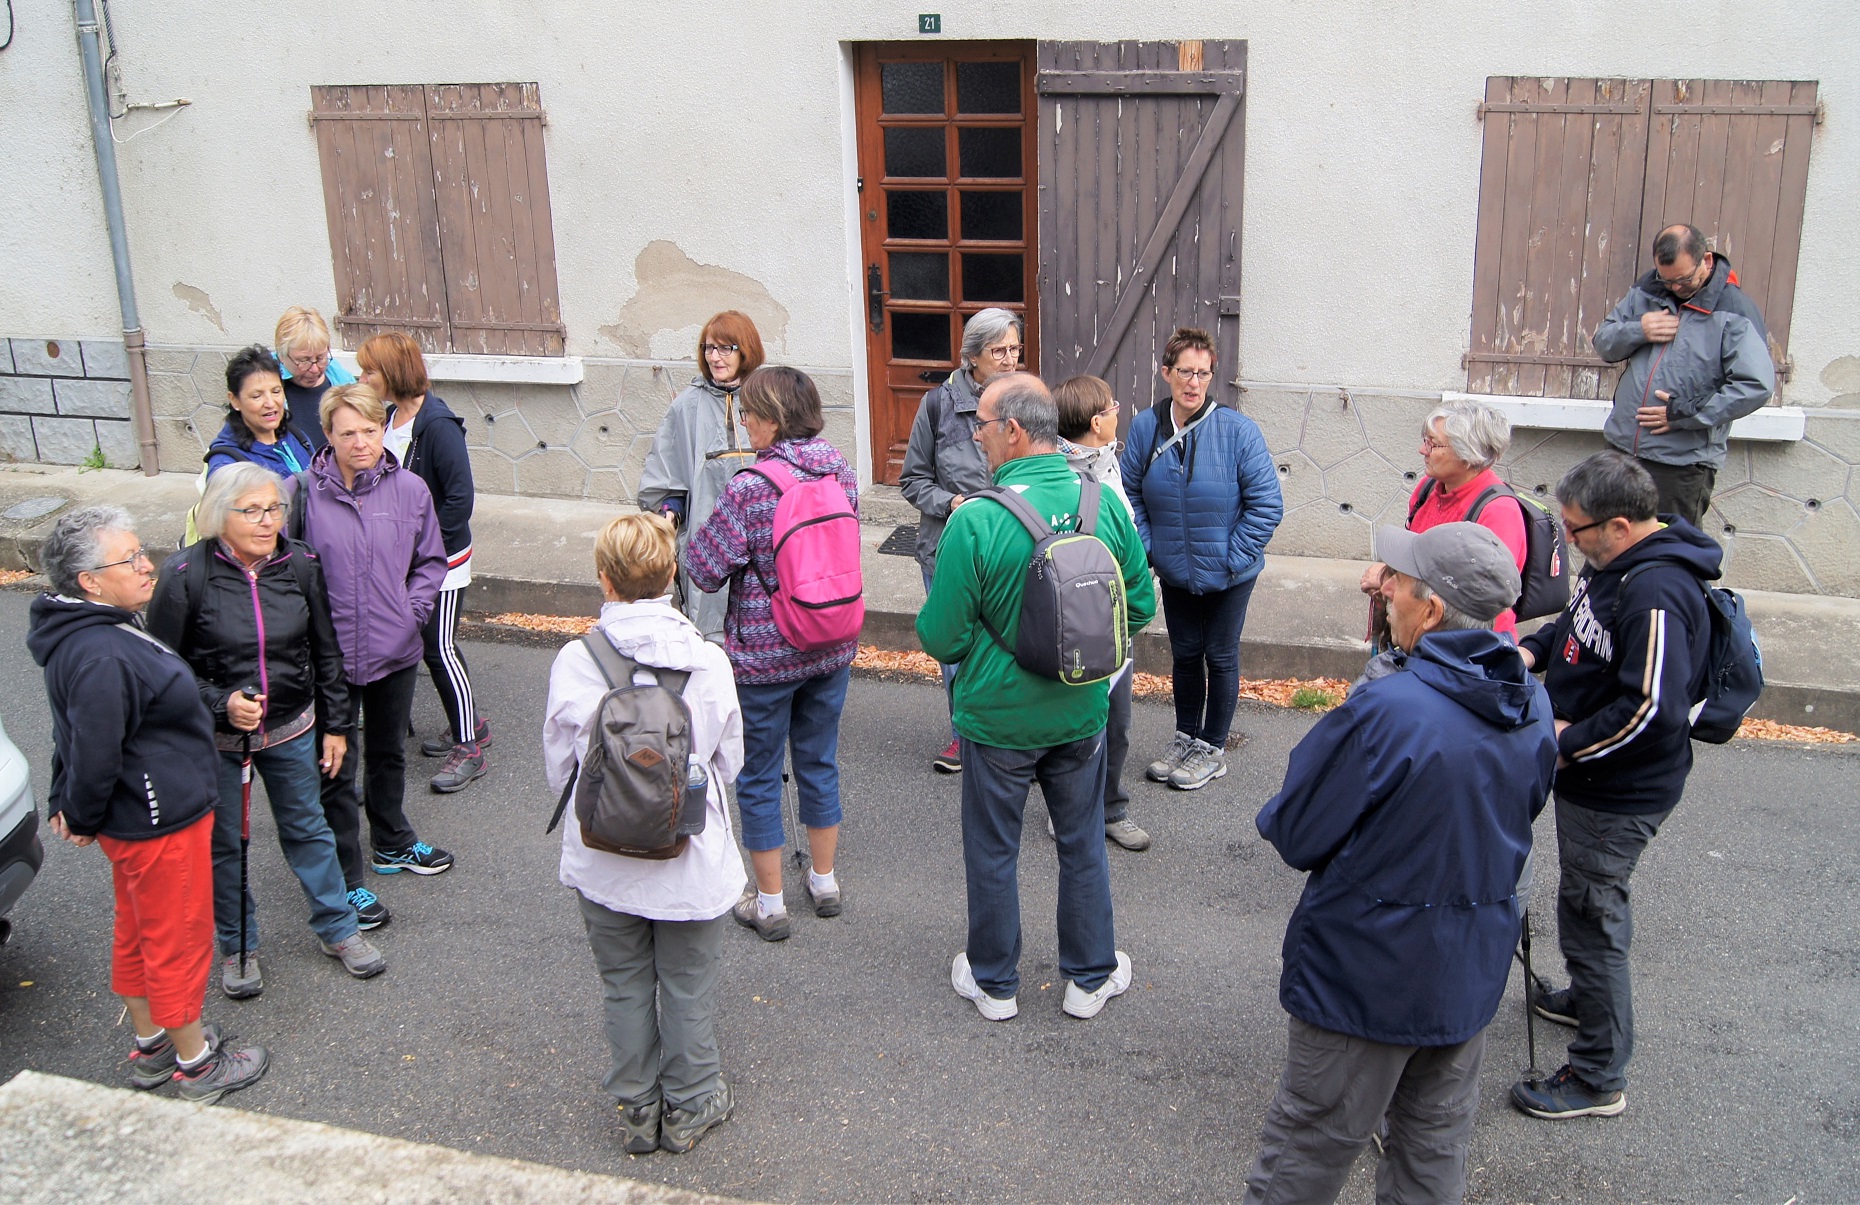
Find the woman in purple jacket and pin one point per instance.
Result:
(374, 526)
(791, 699)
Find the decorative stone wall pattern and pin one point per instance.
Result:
(64, 400)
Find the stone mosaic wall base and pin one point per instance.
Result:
(1788, 514)
(64, 401)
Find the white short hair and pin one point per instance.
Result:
(1479, 434)
(227, 485)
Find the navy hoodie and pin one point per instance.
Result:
(436, 455)
(132, 744)
(1411, 805)
(1625, 665)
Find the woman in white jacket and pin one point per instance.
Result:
(656, 927)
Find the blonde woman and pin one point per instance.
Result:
(302, 340)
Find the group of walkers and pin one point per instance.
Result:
(285, 641)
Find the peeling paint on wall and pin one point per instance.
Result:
(677, 293)
(198, 301)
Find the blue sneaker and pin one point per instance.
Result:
(370, 912)
(419, 857)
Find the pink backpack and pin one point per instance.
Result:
(819, 589)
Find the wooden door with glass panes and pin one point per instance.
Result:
(947, 211)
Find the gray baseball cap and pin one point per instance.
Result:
(1464, 563)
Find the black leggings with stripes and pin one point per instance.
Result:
(451, 678)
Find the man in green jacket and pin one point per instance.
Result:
(1018, 729)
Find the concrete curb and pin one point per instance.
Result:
(77, 1142)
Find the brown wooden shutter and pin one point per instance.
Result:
(1142, 151)
(383, 229)
(1731, 157)
(498, 240)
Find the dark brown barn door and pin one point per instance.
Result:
(1142, 150)
(946, 168)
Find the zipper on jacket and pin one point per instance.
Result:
(1648, 391)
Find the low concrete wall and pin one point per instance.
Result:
(66, 401)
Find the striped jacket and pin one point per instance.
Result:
(1624, 664)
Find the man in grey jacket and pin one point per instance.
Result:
(1698, 358)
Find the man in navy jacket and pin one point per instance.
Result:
(1624, 664)
(1411, 805)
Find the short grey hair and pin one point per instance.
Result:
(986, 328)
(1452, 619)
(1024, 398)
(1610, 485)
(227, 485)
(1480, 435)
(76, 545)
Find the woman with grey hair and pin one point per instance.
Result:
(943, 464)
(1460, 442)
(248, 609)
(132, 772)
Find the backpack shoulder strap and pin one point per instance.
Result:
(614, 665)
(1420, 499)
(776, 474)
(1478, 507)
(196, 580)
(297, 494)
(1020, 508)
(1091, 494)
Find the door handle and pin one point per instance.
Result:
(875, 295)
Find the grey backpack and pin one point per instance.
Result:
(1074, 623)
(637, 793)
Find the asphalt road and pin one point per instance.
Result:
(861, 1077)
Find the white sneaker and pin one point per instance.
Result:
(963, 980)
(1085, 1005)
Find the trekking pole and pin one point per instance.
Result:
(245, 828)
(791, 804)
(1530, 995)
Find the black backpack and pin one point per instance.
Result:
(1546, 562)
(637, 793)
(1074, 623)
(1733, 668)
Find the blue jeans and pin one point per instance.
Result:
(949, 671)
(1117, 749)
(802, 718)
(292, 786)
(1204, 640)
(995, 782)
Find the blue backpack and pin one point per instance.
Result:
(1734, 666)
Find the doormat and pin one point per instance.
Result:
(901, 542)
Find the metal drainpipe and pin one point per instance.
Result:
(140, 409)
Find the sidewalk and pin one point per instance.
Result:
(536, 555)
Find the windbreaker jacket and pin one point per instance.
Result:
(1626, 665)
(1717, 368)
(436, 455)
(942, 459)
(981, 570)
(258, 630)
(701, 445)
(1206, 507)
(736, 548)
(289, 455)
(132, 744)
(383, 561)
(705, 880)
(1411, 806)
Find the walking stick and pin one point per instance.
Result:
(793, 807)
(245, 828)
(1530, 995)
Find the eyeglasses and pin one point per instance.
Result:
(1430, 444)
(139, 557)
(718, 349)
(1572, 532)
(1108, 410)
(1006, 353)
(1194, 374)
(982, 424)
(297, 361)
(258, 514)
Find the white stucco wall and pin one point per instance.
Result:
(720, 132)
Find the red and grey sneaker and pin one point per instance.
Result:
(226, 1069)
(950, 760)
(153, 1067)
(1565, 1095)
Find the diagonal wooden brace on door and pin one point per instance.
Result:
(1179, 198)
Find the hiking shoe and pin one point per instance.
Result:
(153, 1068)
(748, 913)
(463, 766)
(370, 912)
(950, 760)
(358, 954)
(680, 1129)
(1565, 1095)
(639, 1127)
(1085, 1005)
(992, 1008)
(1160, 769)
(237, 986)
(1203, 764)
(227, 1069)
(1558, 1006)
(419, 857)
(827, 903)
(1127, 835)
(439, 746)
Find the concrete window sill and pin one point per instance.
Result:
(1772, 424)
(508, 370)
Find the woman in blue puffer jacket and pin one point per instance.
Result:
(1206, 499)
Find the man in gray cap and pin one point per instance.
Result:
(1411, 807)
